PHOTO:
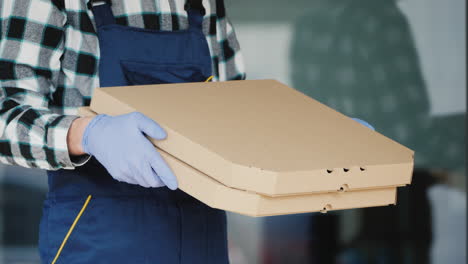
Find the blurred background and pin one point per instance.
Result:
(400, 65)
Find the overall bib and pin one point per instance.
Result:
(126, 223)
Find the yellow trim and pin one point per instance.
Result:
(71, 229)
(209, 78)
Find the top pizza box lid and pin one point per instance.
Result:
(263, 136)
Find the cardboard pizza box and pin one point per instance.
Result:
(264, 137)
(217, 195)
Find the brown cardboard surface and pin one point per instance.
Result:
(263, 136)
(217, 195)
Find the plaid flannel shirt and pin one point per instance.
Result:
(48, 67)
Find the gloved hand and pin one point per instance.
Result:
(362, 122)
(120, 145)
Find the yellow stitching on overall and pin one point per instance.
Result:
(71, 229)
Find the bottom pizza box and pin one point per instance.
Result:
(217, 195)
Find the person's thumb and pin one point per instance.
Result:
(362, 122)
(150, 127)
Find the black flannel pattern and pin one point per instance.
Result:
(48, 67)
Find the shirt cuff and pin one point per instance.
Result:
(57, 135)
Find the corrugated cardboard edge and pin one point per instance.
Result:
(343, 179)
(349, 178)
(217, 195)
(223, 171)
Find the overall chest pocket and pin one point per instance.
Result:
(141, 73)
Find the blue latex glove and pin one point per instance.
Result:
(120, 145)
(362, 122)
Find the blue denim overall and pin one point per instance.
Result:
(126, 223)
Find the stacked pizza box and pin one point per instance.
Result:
(261, 148)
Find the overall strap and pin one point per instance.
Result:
(195, 11)
(102, 12)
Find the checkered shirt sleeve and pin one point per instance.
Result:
(32, 33)
(48, 68)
